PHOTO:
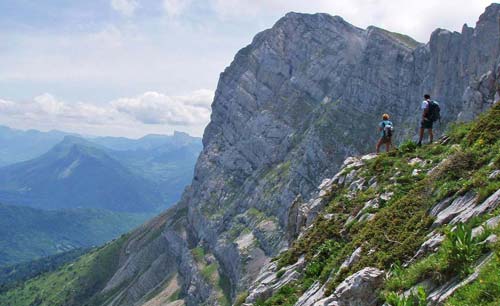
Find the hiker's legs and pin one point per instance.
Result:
(379, 143)
(421, 135)
(431, 135)
(388, 146)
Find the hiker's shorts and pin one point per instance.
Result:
(426, 124)
(384, 140)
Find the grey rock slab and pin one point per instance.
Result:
(366, 217)
(312, 295)
(268, 281)
(490, 223)
(357, 185)
(368, 156)
(430, 245)
(494, 175)
(350, 177)
(360, 288)
(458, 206)
(416, 161)
(327, 301)
(386, 196)
(353, 259)
(440, 206)
(491, 203)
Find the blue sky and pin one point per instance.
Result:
(133, 67)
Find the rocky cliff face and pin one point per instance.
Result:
(291, 107)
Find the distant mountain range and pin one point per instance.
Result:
(119, 174)
(18, 145)
(76, 174)
(60, 191)
(28, 233)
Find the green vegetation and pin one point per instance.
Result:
(208, 272)
(198, 254)
(286, 296)
(73, 283)
(462, 250)
(457, 256)
(175, 296)
(414, 299)
(460, 163)
(29, 233)
(485, 290)
(240, 298)
(404, 39)
(11, 276)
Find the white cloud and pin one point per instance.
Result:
(48, 104)
(414, 18)
(175, 8)
(126, 7)
(150, 112)
(157, 108)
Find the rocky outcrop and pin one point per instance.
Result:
(357, 289)
(360, 288)
(463, 208)
(272, 280)
(292, 106)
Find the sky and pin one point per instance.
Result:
(135, 67)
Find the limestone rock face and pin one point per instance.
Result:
(360, 288)
(290, 108)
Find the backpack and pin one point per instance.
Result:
(388, 128)
(434, 111)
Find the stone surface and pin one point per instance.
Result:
(487, 206)
(312, 295)
(430, 245)
(353, 259)
(360, 288)
(460, 205)
(494, 175)
(269, 282)
(490, 223)
(416, 161)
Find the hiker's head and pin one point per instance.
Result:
(427, 96)
(385, 117)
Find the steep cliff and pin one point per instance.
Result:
(297, 101)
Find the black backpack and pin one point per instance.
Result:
(434, 111)
(387, 128)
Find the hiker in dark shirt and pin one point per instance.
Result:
(385, 127)
(430, 113)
